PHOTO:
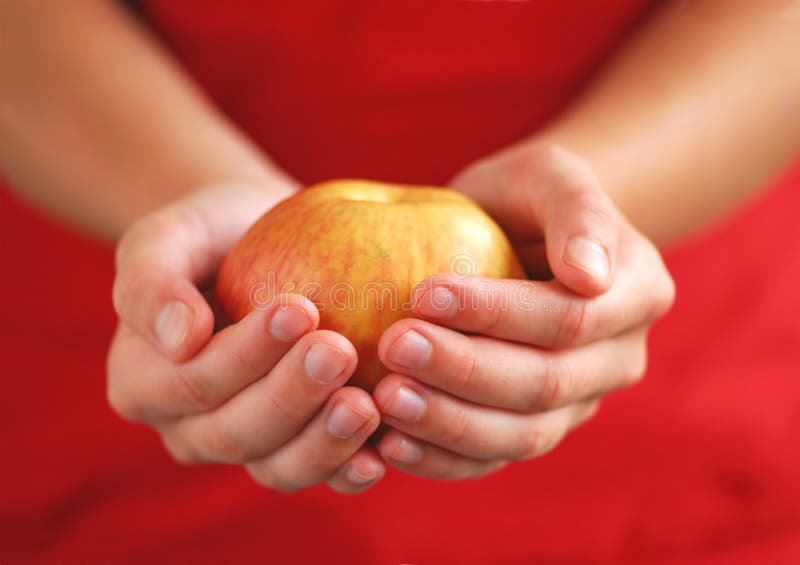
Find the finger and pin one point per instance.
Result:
(330, 439)
(580, 223)
(164, 257)
(273, 409)
(145, 386)
(470, 429)
(509, 375)
(547, 314)
(359, 473)
(552, 194)
(423, 459)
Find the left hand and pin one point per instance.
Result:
(492, 371)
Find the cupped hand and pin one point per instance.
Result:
(267, 392)
(491, 371)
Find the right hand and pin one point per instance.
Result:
(266, 392)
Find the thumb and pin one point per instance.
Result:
(166, 257)
(580, 224)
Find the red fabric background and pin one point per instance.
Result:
(699, 464)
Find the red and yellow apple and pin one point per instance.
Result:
(357, 249)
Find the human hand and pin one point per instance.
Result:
(495, 371)
(267, 392)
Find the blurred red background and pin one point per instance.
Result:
(697, 464)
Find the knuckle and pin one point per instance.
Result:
(286, 409)
(546, 153)
(240, 355)
(222, 444)
(467, 370)
(192, 391)
(535, 442)
(563, 169)
(556, 386)
(539, 158)
(521, 169)
(456, 429)
(492, 308)
(572, 325)
(593, 202)
(528, 445)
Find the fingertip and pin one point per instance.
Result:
(326, 357)
(292, 317)
(585, 265)
(351, 417)
(182, 325)
(384, 390)
(438, 298)
(589, 256)
(337, 340)
(287, 318)
(361, 472)
(391, 335)
(400, 449)
(389, 443)
(393, 385)
(361, 401)
(580, 222)
(164, 308)
(364, 469)
(303, 303)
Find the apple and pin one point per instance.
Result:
(358, 249)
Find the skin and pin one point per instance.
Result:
(106, 82)
(625, 168)
(699, 109)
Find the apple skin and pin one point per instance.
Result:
(357, 249)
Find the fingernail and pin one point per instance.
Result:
(411, 351)
(588, 256)
(289, 324)
(363, 476)
(405, 405)
(324, 363)
(407, 452)
(344, 421)
(173, 324)
(439, 302)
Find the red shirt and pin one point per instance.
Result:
(698, 464)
